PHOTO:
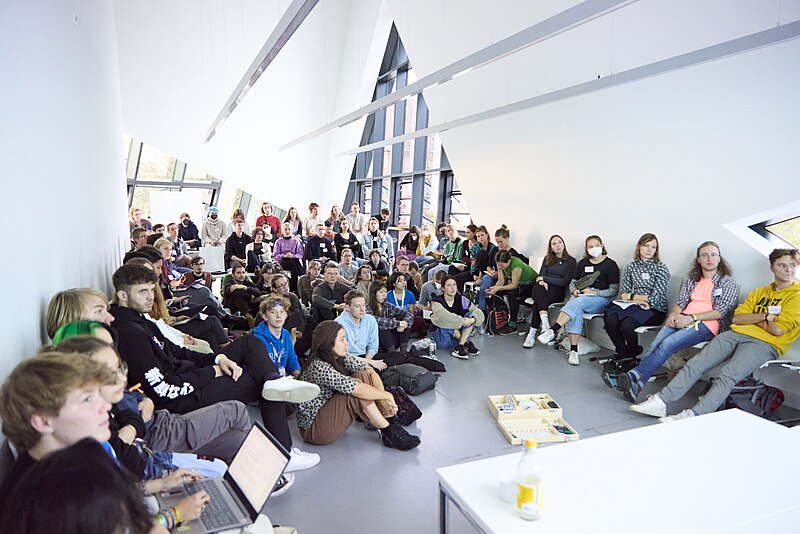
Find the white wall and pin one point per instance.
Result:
(679, 155)
(180, 61)
(61, 153)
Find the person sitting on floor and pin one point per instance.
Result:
(239, 292)
(349, 388)
(347, 267)
(404, 267)
(377, 264)
(399, 295)
(217, 430)
(430, 290)
(515, 281)
(555, 274)
(307, 282)
(214, 231)
(73, 409)
(277, 340)
(236, 245)
(455, 318)
(258, 251)
(764, 327)
(328, 296)
(188, 231)
(394, 323)
(706, 297)
(288, 251)
(198, 273)
(592, 299)
(298, 322)
(375, 239)
(363, 279)
(181, 381)
(318, 247)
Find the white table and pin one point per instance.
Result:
(723, 472)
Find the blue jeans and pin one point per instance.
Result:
(486, 282)
(669, 341)
(577, 306)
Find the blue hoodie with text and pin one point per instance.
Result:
(280, 350)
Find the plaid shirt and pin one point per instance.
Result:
(650, 278)
(724, 297)
(390, 316)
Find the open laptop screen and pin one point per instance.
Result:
(257, 466)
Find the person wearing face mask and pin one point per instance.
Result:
(187, 231)
(427, 249)
(643, 298)
(592, 299)
(557, 269)
(430, 290)
(215, 232)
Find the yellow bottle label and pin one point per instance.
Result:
(529, 498)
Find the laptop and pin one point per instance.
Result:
(238, 497)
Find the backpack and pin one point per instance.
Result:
(755, 397)
(618, 366)
(407, 410)
(412, 378)
(497, 315)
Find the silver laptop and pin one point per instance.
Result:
(238, 497)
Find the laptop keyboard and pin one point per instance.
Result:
(217, 513)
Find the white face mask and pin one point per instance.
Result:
(595, 252)
(437, 285)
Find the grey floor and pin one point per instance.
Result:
(362, 487)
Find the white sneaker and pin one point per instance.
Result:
(653, 406)
(287, 389)
(300, 460)
(573, 358)
(530, 341)
(546, 336)
(283, 485)
(685, 414)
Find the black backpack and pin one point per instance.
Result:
(497, 315)
(412, 378)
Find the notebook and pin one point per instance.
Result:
(238, 497)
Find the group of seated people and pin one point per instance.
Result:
(137, 389)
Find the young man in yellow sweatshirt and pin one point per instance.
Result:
(763, 328)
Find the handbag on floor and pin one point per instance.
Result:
(407, 410)
(412, 378)
(497, 315)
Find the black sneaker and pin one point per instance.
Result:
(395, 436)
(471, 348)
(460, 352)
(283, 485)
(508, 330)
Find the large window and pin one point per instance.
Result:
(410, 174)
(788, 231)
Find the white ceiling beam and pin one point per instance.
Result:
(294, 16)
(715, 52)
(541, 31)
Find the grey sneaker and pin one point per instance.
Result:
(685, 414)
(653, 406)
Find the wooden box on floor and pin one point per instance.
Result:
(535, 416)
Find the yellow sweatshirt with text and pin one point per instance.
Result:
(788, 320)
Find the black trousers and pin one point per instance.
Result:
(621, 332)
(241, 301)
(251, 354)
(542, 299)
(294, 266)
(390, 340)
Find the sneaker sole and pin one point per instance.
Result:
(302, 467)
(637, 409)
(299, 394)
(460, 357)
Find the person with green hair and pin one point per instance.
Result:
(217, 430)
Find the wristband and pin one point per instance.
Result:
(633, 294)
(766, 317)
(219, 358)
(694, 318)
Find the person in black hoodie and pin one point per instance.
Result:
(319, 247)
(236, 245)
(179, 380)
(187, 231)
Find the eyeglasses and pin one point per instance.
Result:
(280, 286)
(707, 256)
(200, 263)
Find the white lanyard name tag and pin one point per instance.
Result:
(774, 310)
(588, 269)
(645, 276)
(716, 293)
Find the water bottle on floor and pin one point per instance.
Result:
(529, 483)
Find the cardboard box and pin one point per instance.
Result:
(542, 429)
(531, 415)
(525, 406)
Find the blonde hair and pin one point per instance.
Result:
(41, 385)
(69, 306)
